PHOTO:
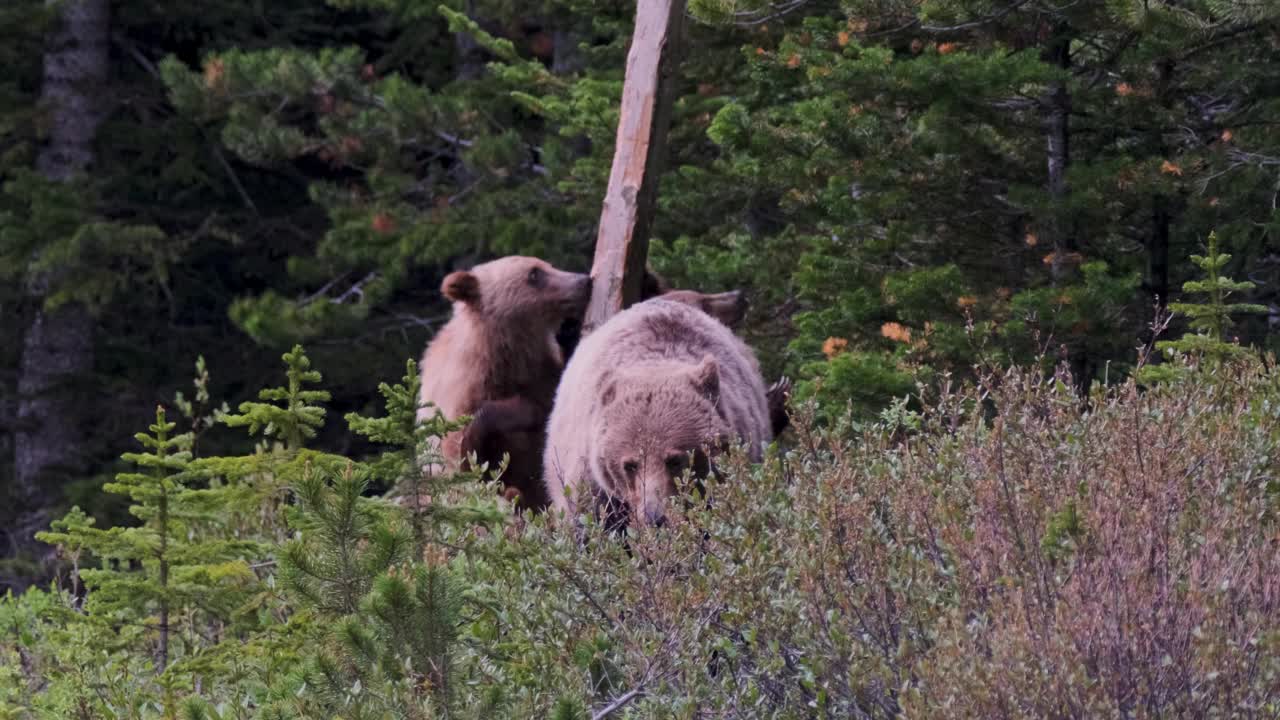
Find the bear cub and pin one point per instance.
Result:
(500, 342)
(646, 396)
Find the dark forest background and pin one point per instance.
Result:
(903, 188)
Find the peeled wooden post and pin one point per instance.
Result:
(622, 244)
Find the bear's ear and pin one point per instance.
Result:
(608, 388)
(461, 286)
(706, 378)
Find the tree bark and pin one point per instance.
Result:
(1058, 146)
(567, 56)
(1162, 205)
(1158, 252)
(1062, 268)
(58, 345)
(622, 243)
(470, 54)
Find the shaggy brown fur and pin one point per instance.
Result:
(515, 428)
(639, 401)
(500, 342)
(727, 307)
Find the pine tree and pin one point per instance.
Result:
(415, 166)
(345, 543)
(915, 169)
(437, 502)
(379, 577)
(160, 573)
(285, 419)
(1209, 344)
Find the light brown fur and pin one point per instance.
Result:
(500, 341)
(639, 398)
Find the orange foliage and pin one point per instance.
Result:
(383, 223)
(896, 331)
(834, 346)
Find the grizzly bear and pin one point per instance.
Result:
(515, 426)
(659, 386)
(500, 343)
(459, 365)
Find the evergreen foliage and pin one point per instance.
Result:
(344, 544)
(177, 575)
(1210, 320)
(296, 419)
(163, 576)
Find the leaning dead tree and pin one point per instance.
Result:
(648, 92)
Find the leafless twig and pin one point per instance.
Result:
(618, 704)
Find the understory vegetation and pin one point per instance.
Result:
(954, 220)
(1004, 548)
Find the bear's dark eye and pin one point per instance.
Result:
(630, 467)
(677, 463)
(535, 277)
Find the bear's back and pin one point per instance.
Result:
(652, 332)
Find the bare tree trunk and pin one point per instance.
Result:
(1065, 258)
(648, 92)
(58, 346)
(8, 411)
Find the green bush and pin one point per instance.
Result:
(1001, 549)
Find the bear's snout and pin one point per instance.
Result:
(576, 287)
(654, 516)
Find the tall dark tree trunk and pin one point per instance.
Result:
(58, 346)
(8, 411)
(1158, 252)
(1161, 205)
(470, 55)
(1058, 145)
(1062, 268)
(567, 57)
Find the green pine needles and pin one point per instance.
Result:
(298, 416)
(273, 578)
(343, 543)
(1210, 320)
(162, 575)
